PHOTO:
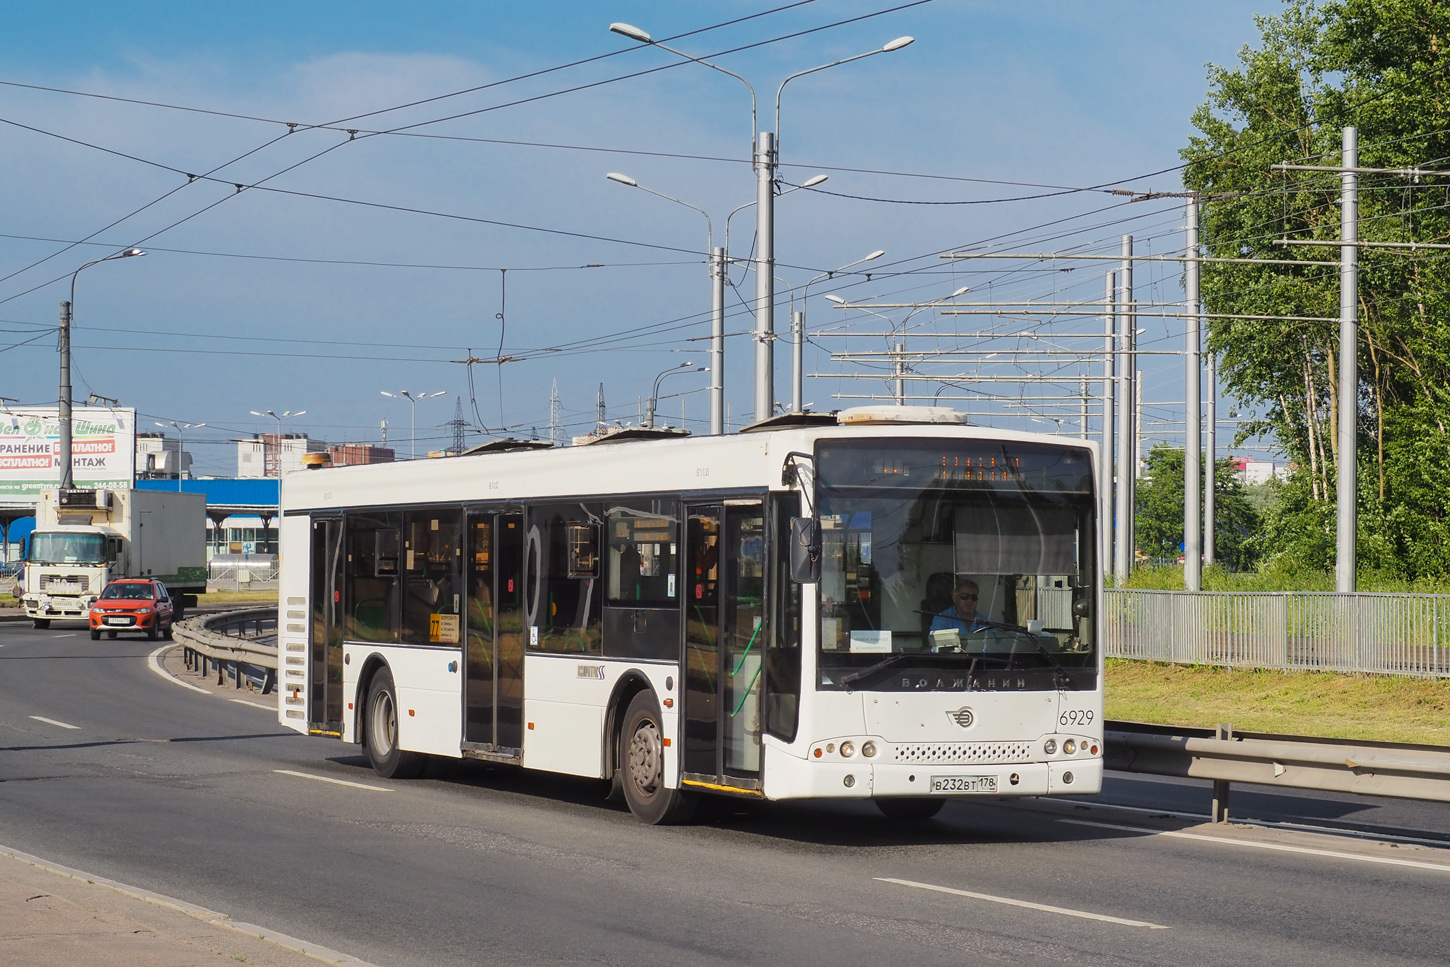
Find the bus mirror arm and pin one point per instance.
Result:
(805, 550)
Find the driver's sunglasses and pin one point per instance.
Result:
(966, 597)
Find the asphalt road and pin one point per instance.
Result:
(107, 767)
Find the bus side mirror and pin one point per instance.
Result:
(1080, 608)
(805, 550)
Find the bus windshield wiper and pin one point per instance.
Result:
(886, 662)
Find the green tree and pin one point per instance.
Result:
(1384, 67)
(1159, 518)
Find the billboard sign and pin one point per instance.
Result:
(103, 449)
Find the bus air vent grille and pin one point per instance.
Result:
(962, 753)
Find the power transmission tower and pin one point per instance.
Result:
(459, 424)
(555, 431)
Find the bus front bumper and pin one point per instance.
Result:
(797, 779)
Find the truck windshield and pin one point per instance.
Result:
(956, 565)
(52, 547)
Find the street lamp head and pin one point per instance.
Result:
(874, 255)
(814, 180)
(163, 424)
(836, 299)
(386, 393)
(897, 44)
(255, 413)
(634, 33)
(962, 291)
(298, 413)
(131, 253)
(622, 179)
(441, 392)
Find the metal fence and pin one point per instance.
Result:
(261, 576)
(1384, 634)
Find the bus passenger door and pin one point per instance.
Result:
(324, 672)
(723, 644)
(493, 654)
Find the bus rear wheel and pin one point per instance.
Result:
(381, 731)
(910, 810)
(642, 767)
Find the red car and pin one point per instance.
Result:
(132, 604)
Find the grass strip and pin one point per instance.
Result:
(1372, 708)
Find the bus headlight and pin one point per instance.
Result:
(1050, 746)
(868, 749)
(848, 749)
(1069, 746)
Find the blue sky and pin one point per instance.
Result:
(256, 300)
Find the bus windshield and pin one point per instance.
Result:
(58, 547)
(956, 565)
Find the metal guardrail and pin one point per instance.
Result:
(241, 639)
(1378, 634)
(1288, 761)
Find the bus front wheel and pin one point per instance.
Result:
(642, 767)
(381, 731)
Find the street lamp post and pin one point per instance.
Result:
(649, 407)
(764, 157)
(415, 399)
(66, 318)
(181, 446)
(717, 305)
(285, 414)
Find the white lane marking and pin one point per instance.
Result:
(242, 701)
(1269, 823)
(73, 634)
(1276, 847)
(339, 782)
(1083, 914)
(154, 661)
(63, 725)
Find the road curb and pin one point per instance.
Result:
(211, 917)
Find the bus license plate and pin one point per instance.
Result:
(987, 784)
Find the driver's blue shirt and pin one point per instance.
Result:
(949, 620)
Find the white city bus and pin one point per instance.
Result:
(767, 614)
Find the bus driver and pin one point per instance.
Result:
(961, 615)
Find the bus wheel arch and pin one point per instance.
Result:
(629, 685)
(378, 719)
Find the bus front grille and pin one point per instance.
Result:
(962, 753)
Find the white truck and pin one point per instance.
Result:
(84, 539)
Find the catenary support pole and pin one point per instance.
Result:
(797, 341)
(1210, 475)
(1105, 467)
(1346, 473)
(898, 366)
(765, 277)
(1192, 446)
(1123, 556)
(717, 341)
(66, 479)
(1082, 392)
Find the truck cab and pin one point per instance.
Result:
(65, 570)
